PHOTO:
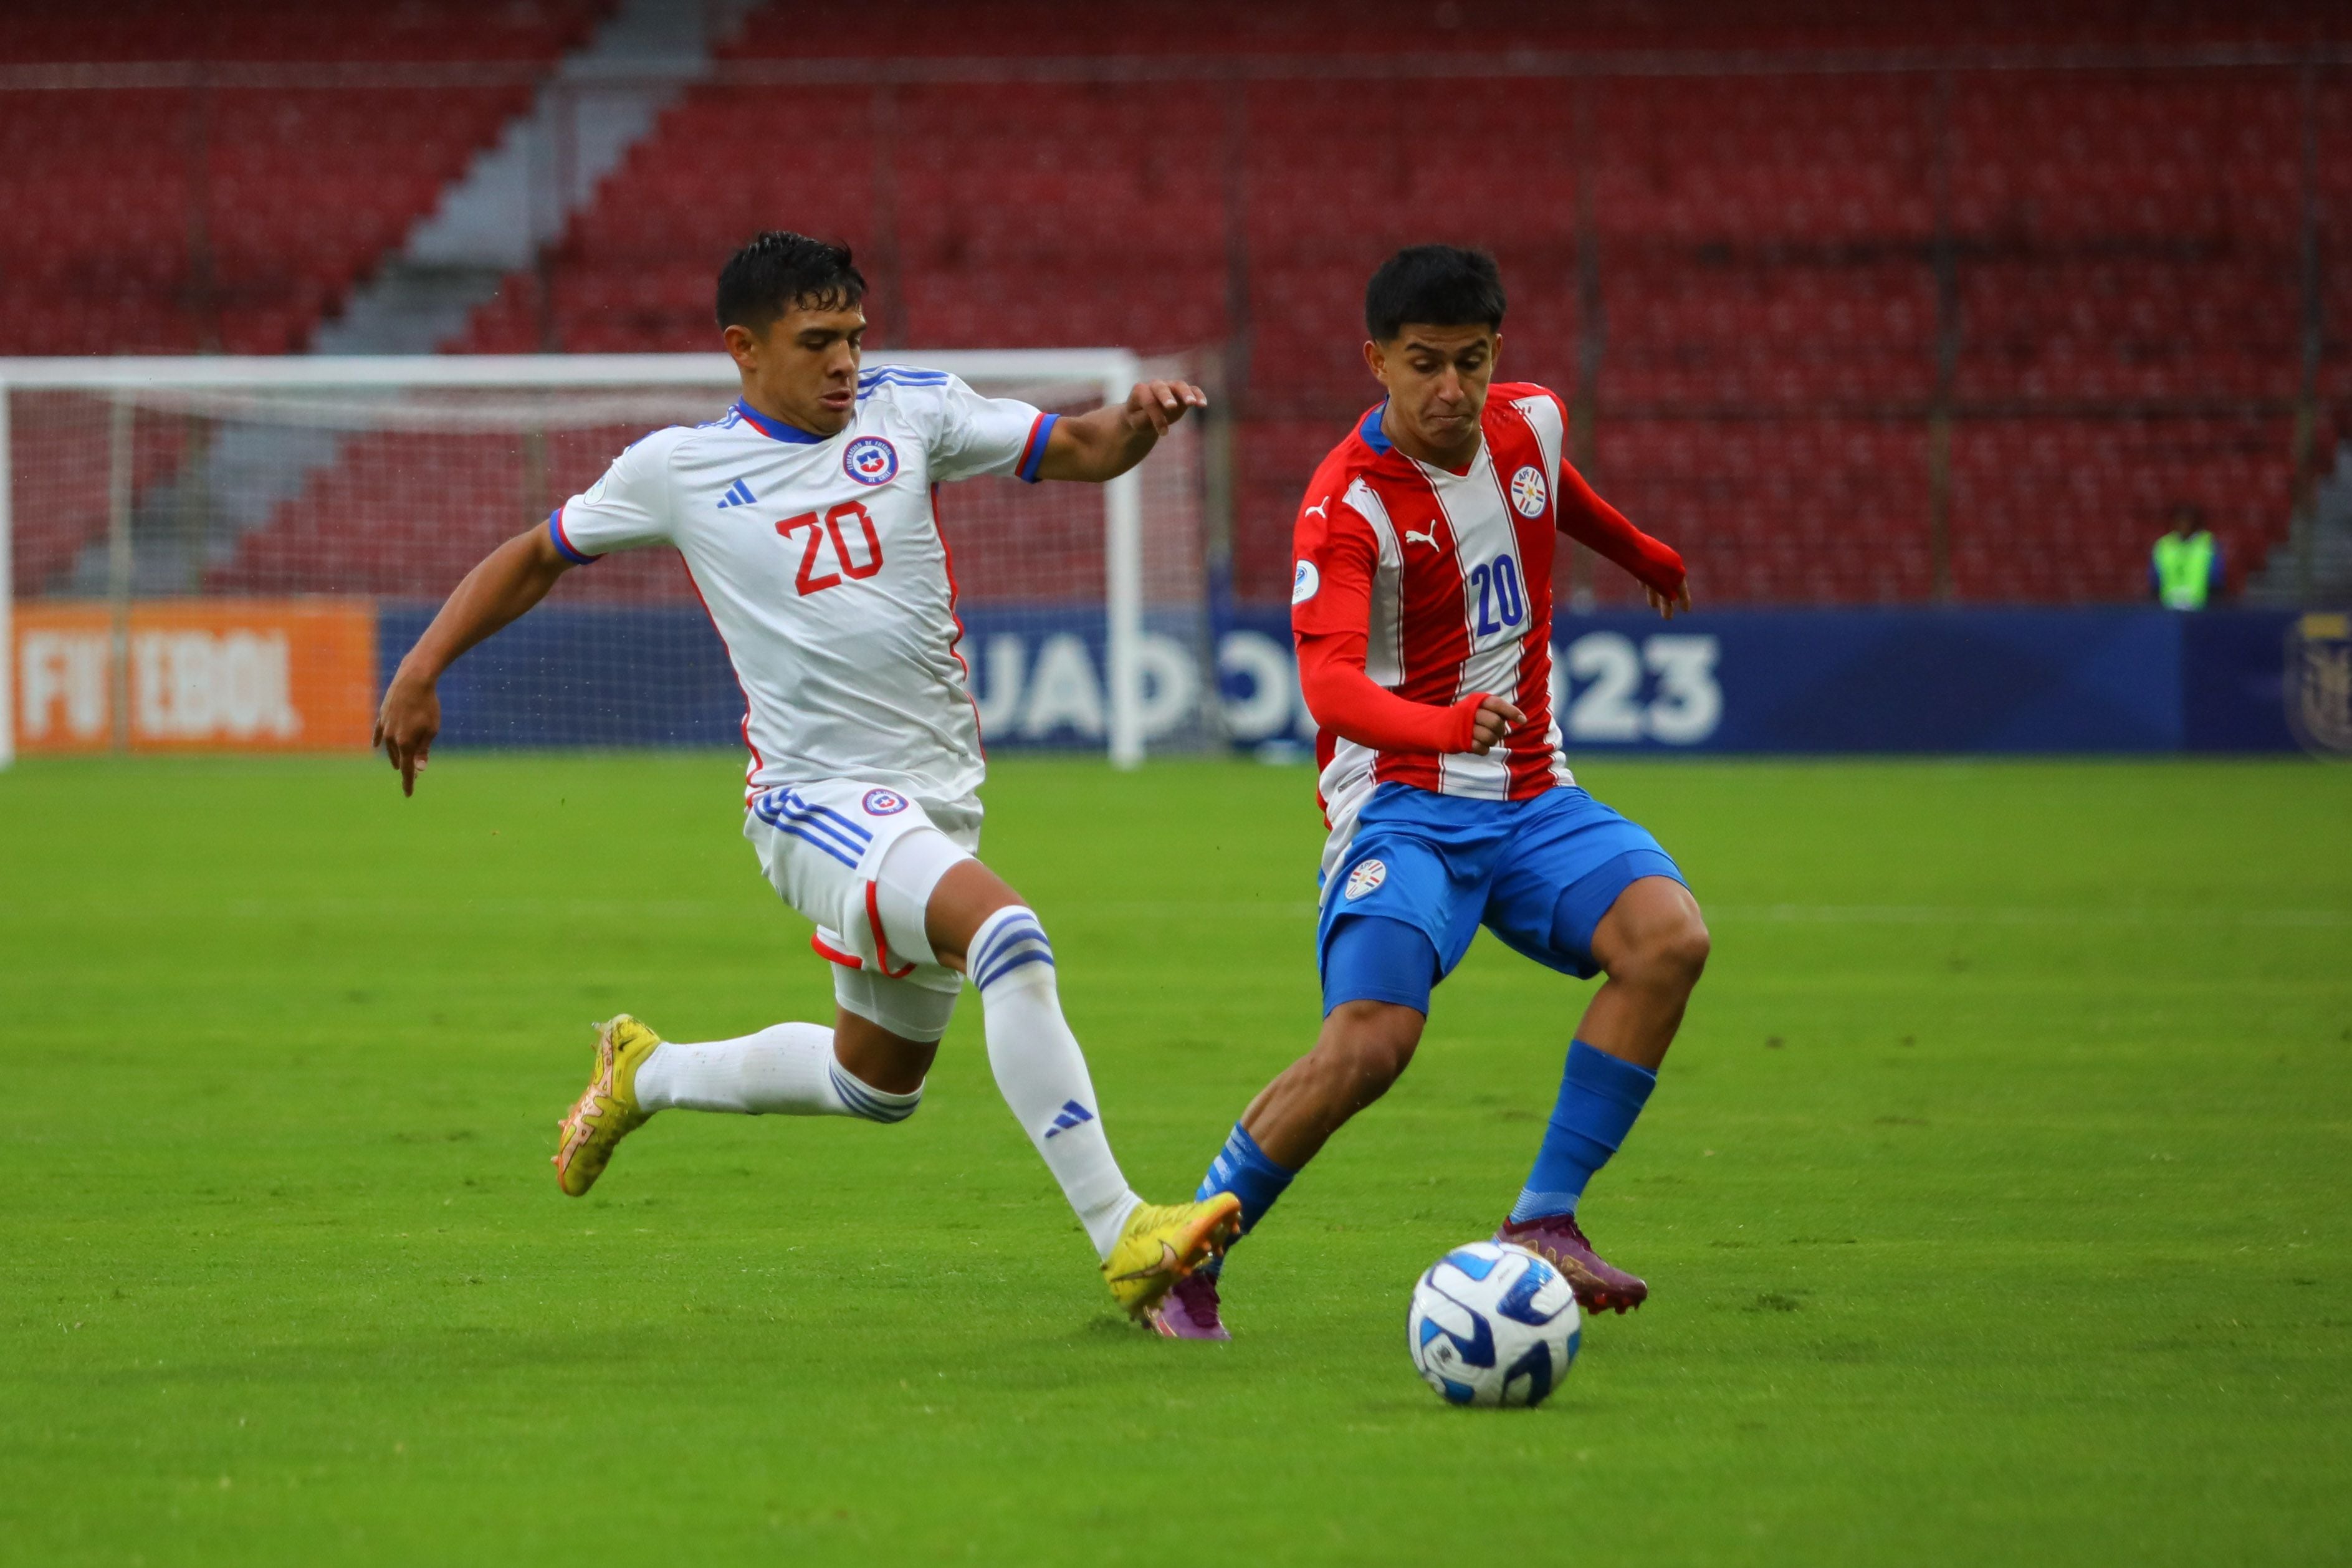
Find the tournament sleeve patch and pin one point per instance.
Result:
(1305, 582)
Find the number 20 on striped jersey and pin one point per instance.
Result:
(1501, 603)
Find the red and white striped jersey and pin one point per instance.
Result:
(1439, 585)
(1458, 569)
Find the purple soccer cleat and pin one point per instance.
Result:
(1188, 1311)
(1600, 1285)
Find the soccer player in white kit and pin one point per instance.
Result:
(805, 515)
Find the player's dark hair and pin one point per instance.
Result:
(779, 271)
(1436, 285)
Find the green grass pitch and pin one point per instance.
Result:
(1994, 1198)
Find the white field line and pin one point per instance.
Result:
(1805, 914)
(1993, 914)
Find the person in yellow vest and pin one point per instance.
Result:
(2185, 567)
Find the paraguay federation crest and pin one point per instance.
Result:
(1367, 874)
(1527, 491)
(870, 461)
(2319, 681)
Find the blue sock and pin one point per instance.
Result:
(1242, 1169)
(1600, 1096)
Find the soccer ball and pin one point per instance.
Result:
(1493, 1324)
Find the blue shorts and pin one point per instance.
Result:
(1539, 873)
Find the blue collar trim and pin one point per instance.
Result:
(1370, 430)
(777, 429)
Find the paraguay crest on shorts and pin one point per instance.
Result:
(1367, 874)
(884, 802)
(1527, 491)
(870, 461)
(2319, 681)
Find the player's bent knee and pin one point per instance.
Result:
(1657, 938)
(1677, 954)
(965, 896)
(1372, 1042)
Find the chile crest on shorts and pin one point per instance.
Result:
(884, 802)
(870, 461)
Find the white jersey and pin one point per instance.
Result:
(820, 563)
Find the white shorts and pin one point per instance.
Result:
(827, 848)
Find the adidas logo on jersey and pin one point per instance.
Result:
(1073, 1115)
(738, 494)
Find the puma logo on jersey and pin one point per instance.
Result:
(1316, 509)
(1413, 536)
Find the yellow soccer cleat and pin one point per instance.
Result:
(1161, 1244)
(606, 1111)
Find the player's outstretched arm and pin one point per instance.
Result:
(507, 582)
(1594, 523)
(1105, 443)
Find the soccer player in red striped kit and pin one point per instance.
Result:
(1422, 604)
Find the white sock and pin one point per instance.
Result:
(1041, 1071)
(788, 1069)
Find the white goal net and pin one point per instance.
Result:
(234, 554)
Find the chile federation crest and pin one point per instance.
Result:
(870, 461)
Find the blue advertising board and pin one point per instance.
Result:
(1894, 681)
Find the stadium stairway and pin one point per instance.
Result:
(2325, 532)
(599, 102)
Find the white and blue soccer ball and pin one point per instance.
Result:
(1493, 1324)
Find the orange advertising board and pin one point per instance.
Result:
(231, 675)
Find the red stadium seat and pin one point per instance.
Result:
(252, 210)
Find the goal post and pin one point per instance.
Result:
(233, 553)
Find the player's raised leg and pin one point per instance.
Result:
(792, 1070)
(785, 1069)
(1652, 945)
